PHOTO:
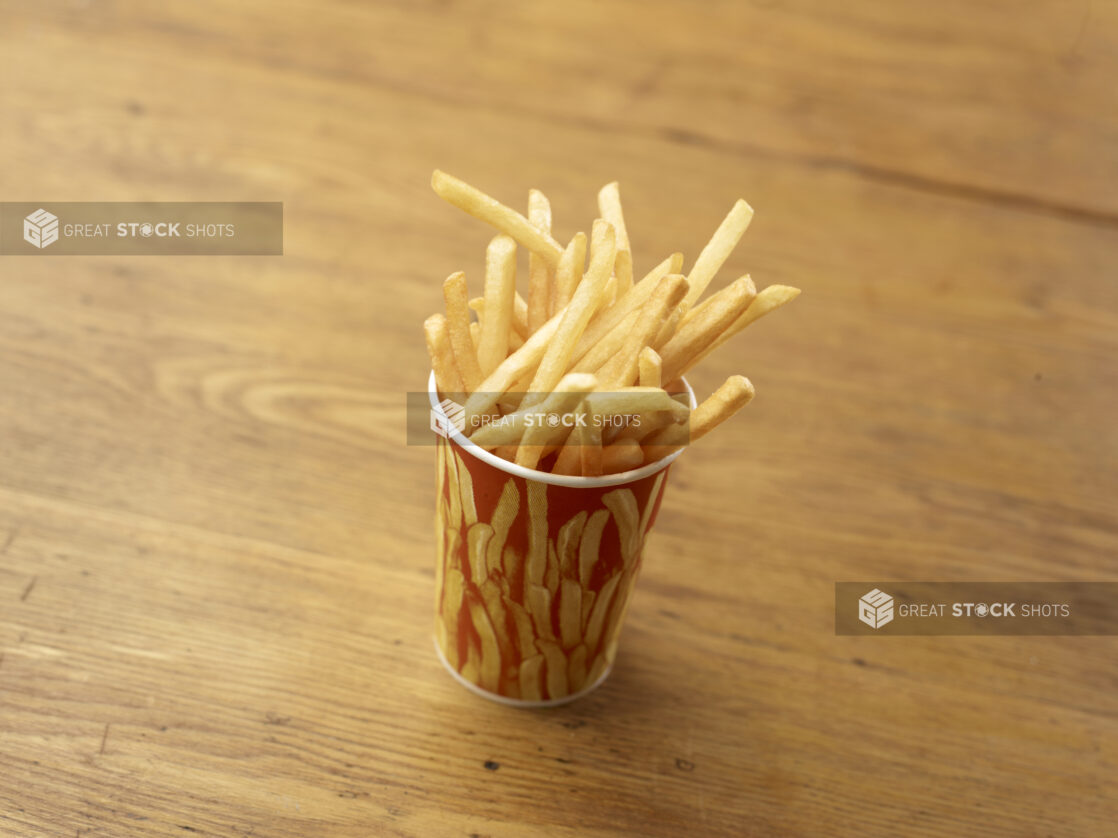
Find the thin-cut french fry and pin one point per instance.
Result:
(621, 371)
(458, 330)
(609, 206)
(475, 332)
(718, 250)
(539, 274)
(510, 428)
(703, 325)
(520, 362)
(588, 547)
(621, 455)
(447, 377)
(568, 273)
(493, 212)
(632, 300)
(649, 368)
(668, 330)
(500, 289)
(628, 401)
(586, 300)
(590, 449)
(608, 346)
(768, 299)
(734, 394)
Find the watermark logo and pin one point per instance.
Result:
(40, 228)
(875, 609)
(450, 418)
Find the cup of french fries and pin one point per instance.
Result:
(564, 411)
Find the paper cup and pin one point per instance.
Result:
(535, 571)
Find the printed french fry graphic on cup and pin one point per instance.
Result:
(534, 578)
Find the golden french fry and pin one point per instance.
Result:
(520, 330)
(539, 274)
(510, 428)
(586, 300)
(597, 621)
(489, 667)
(521, 362)
(734, 394)
(568, 273)
(570, 613)
(477, 539)
(621, 370)
(629, 401)
(622, 455)
(632, 300)
(500, 290)
(702, 326)
(590, 449)
(531, 684)
(768, 299)
(588, 548)
(557, 683)
(576, 671)
(610, 344)
(649, 368)
(503, 515)
(437, 337)
(718, 250)
(623, 504)
(568, 462)
(668, 330)
(458, 330)
(475, 332)
(609, 206)
(538, 432)
(493, 212)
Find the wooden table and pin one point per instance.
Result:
(217, 552)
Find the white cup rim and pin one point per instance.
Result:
(573, 481)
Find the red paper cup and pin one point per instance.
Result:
(535, 570)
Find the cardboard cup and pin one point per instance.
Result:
(535, 570)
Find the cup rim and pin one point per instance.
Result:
(573, 481)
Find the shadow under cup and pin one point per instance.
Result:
(535, 571)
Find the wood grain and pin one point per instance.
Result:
(216, 552)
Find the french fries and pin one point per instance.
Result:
(530, 594)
